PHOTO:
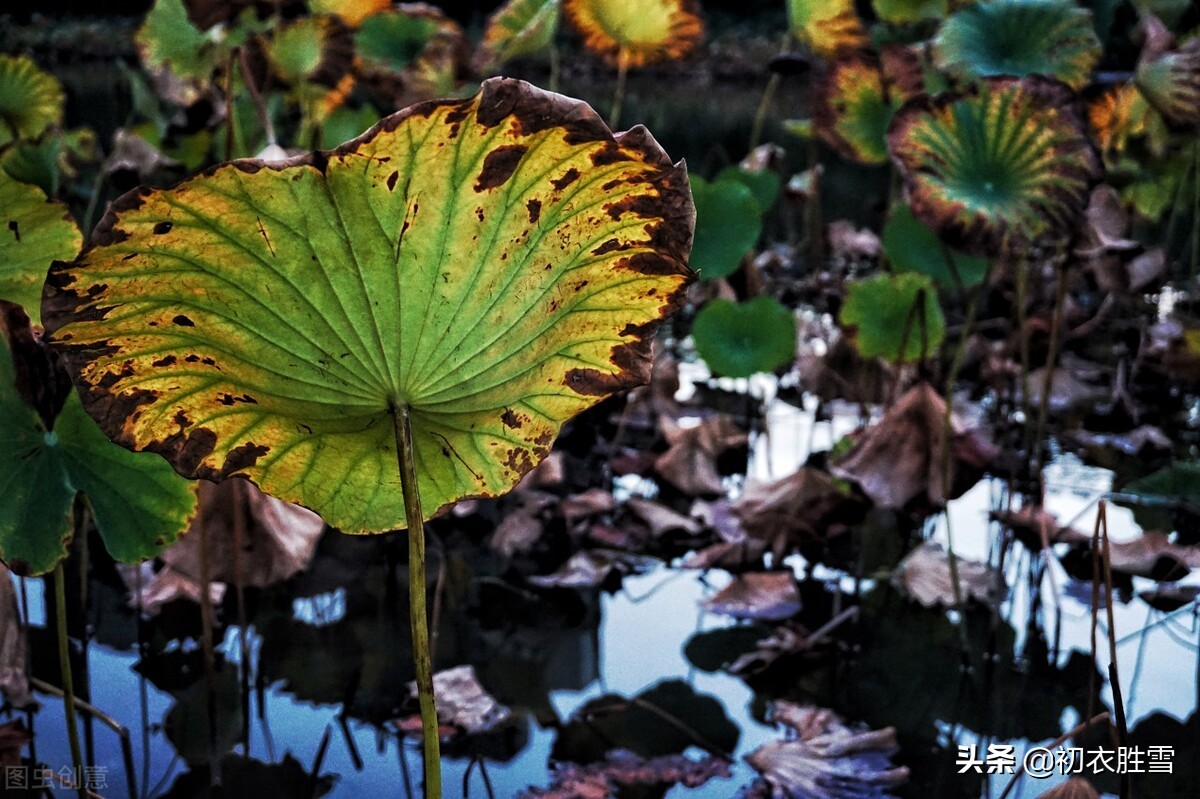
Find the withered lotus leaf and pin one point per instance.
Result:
(495, 265)
(352, 12)
(646, 32)
(827, 27)
(518, 28)
(1168, 74)
(853, 105)
(1007, 164)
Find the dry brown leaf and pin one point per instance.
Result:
(924, 575)
(1028, 523)
(151, 590)
(1074, 788)
(798, 507)
(690, 462)
(786, 639)
(851, 243)
(771, 596)
(622, 768)
(586, 504)
(590, 568)
(14, 683)
(463, 703)
(522, 527)
(730, 555)
(662, 520)
(1106, 223)
(899, 458)
(1153, 555)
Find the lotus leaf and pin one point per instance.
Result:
(410, 52)
(1008, 164)
(740, 340)
(645, 32)
(1016, 38)
(852, 110)
(519, 28)
(905, 11)
(54, 452)
(1169, 75)
(489, 267)
(728, 224)
(30, 100)
(36, 232)
(351, 12)
(827, 27)
(318, 49)
(912, 247)
(764, 184)
(1117, 115)
(896, 317)
(179, 57)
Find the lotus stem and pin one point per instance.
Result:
(1060, 297)
(64, 665)
(614, 116)
(555, 67)
(422, 653)
(206, 643)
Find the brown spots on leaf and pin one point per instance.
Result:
(192, 358)
(229, 399)
(479, 213)
(631, 359)
(499, 166)
(610, 153)
(165, 361)
(567, 179)
(580, 286)
(242, 457)
(535, 210)
(510, 419)
(612, 245)
(651, 263)
(519, 461)
(262, 231)
(15, 228)
(553, 306)
(183, 321)
(162, 228)
(129, 257)
(391, 180)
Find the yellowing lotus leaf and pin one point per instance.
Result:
(34, 232)
(518, 28)
(1168, 74)
(352, 12)
(489, 266)
(827, 27)
(646, 32)
(852, 108)
(30, 100)
(409, 53)
(1117, 115)
(310, 49)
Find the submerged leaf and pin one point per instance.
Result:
(460, 259)
(34, 232)
(1016, 38)
(1005, 166)
(518, 28)
(896, 317)
(646, 32)
(738, 340)
(30, 100)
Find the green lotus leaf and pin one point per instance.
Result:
(351, 12)
(179, 57)
(346, 123)
(912, 247)
(827, 27)
(30, 100)
(1008, 164)
(34, 162)
(764, 184)
(896, 317)
(35, 232)
(138, 503)
(728, 224)
(1169, 77)
(1016, 38)
(311, 49)
(518, 28)
(900, 12)
(489, 267)
(852, 109)
(741, 340)
(392, 40)
(647, 32)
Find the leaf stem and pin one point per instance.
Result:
(422, 654)
(614, 116)
(64, 665)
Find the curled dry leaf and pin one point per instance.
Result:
(770, 596)
(521, 528)
(828, 760)
(797, 508)
(1105, 224)
(690, 462)
(624, 769)
(152, 589)
(591, 568)
(924, 575)
(463, 703)
(14, 683)
(662, 520)
(1074, 788)
(899, 458)
(586, 504)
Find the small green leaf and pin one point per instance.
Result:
(35, 163)
(518, 28)
(173, 51)
(741, 340)
(912, 247)
(34, 232)
(764, 184)
(31, 100)
(885, 312)
(728, 224)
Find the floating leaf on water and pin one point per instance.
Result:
(463, 703)
(30, 100)
(647, 32)
(827, 27)
(1016, 38)
(728, 224)
(1005, 166)
(797, 508)
(55, 452)
(623, 769)
(1030, 522)
(351, 12)
(896, 317)
(690, 462)
(924, 575)
(34, 232)
(256, 336)
(592, 568)
(1169, 74)
(912, 247)
(1074, 788)
(767, 596)
(741, 339)
(518, 28)
(660, 519)
(14, 683)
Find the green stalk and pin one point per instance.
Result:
(422, 652)
(64, 664)
(614, 116)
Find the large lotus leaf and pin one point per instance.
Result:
(1018, 38)
(36, 232)
(1169, 77)
(912, 247)
(495, 265)
(138, 503)
(827, 27)
(519, 28)
(30, 100)
(852, 110)
(352, 12)
(728, 224)
(905, 11)
(741, 340)
(646, 32)
(179, 56)
(1008, 164)
(896, 317)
